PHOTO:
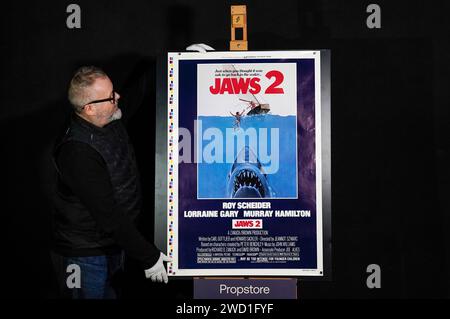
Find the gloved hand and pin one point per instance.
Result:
(199, 47)
(158, 273)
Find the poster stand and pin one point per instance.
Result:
(208, 287)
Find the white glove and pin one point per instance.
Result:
(158, 273)
(200, 47)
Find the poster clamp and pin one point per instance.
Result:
(239, 28)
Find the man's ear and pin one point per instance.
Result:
(89, 109)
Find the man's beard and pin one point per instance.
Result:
(117, 115)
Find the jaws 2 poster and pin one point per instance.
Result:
(244, 190)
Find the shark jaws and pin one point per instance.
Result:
(246, 178)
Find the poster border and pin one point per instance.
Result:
(322, 111)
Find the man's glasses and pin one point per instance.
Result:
(110, 99)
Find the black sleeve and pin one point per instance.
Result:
(85, 172)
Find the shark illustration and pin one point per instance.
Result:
(246, 178)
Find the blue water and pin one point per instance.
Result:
(212, 176)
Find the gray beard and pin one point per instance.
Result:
(117, 115)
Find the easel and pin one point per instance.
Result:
(255, 287)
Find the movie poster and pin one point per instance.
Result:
(244, 190)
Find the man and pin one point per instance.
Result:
(237, 121)
(98, 193)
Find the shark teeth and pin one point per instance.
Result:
(248, 178)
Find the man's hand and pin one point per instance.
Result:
(200, 47)
(158, 273)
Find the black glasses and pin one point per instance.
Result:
(110, 99)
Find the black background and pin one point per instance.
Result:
(389, 102)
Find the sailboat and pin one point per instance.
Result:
(257, 108)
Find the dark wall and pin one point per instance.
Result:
(390, 146)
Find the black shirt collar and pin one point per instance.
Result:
(89, 125)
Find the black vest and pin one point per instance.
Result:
(74, 227)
